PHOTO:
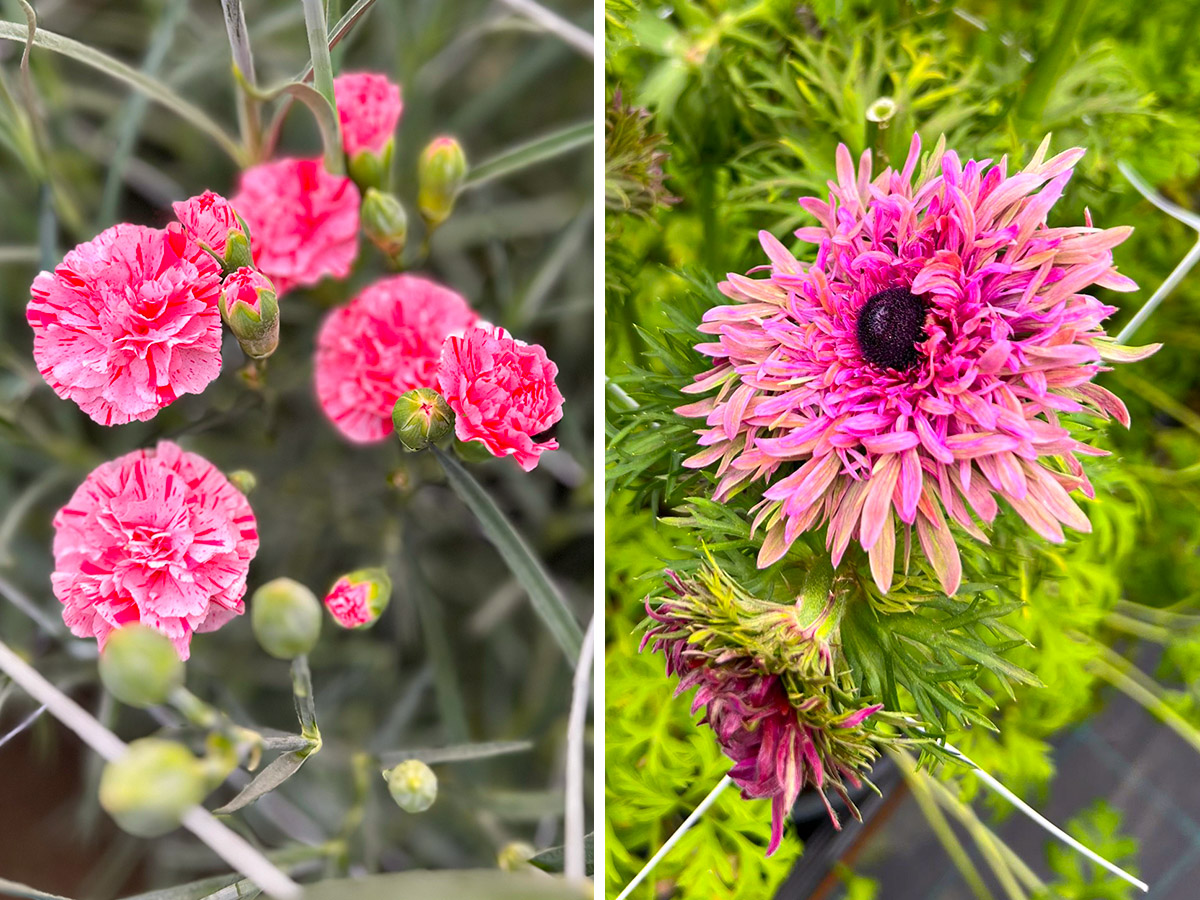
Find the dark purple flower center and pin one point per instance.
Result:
(890, 325)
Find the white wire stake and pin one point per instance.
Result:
(674, 839)
(1043, 821)
(1190, 219)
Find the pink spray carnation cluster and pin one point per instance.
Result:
(128, 322)
(369, 108)
(303, 221)
(502, 392)
(156, 536)
(920, 367)
(384, 342)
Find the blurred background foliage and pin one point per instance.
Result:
(720, 116)
(459, 656)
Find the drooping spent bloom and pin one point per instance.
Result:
(384, 342)
(919, 368)
(369, 107)
(128, 322)
(303, 221)
(770, 711)
(502, 392)
(358, 598)
(212, 222)
(156, 536)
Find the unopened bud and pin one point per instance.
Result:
(286, 618)
(140, 666)
(371, 170)
(249, 308)
(150, 787)
(412, 785)
(440, 173)
(385, 223)
(515, 856)
(243, 479)
(421, 417)
(359, 598)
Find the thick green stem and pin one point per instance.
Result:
(322, 64)
(249, 113)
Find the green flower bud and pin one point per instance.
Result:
(286, 618)
(385, 223)
(148, 790)
(139, 666)
(244, 480)
(421, 417)
(515, 856)
(237, 249)
(412, 785)
(371, 170)
(440, 173)
(249, 308)
(358, 598)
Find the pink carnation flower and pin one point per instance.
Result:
(502, 392)
(347, 603)
(369, 107)
(920, 366)
(207, 218)
(158, 537)
(303, 221)
(384, 342)
(128, 322)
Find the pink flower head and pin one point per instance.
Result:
(778, 746)
(920, 366)
(502, 392)
(384, 342)
(357, 599)
(128, 322)
(159, 537)
(369, 107)
(303, 221)
(208, 218)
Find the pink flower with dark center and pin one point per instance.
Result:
(208, 218)
(920, 367)
(128, 322)
(384, 342)
(303, 221)
(778, 744)
(502, 392)
(369, 107)
(159, 537)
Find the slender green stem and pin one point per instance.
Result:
(1177, 275)
(249, 112)
(1136, 627)
(1130, 681)
(305, 706)
(318, 46)
(1052, 60)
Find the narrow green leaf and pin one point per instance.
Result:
(547, 601)
(318, 45)
(456, 752)
(326, 116)
(530, 153)
(478, 885)
(25, 892)
(56, 43)
(280, 770)
(294, 860)
(340, 30)
(302, 690)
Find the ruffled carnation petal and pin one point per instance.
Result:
(369, 106)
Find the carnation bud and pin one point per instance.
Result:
(244, 480)
(385, 223)
(359, 598)
(514, 856)
(237, 247)
(421, 417)
(140, 666)
(412, 785)
(150, 787)
(440, 173)
(370, 170)
(249, 308)
(286, 618)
